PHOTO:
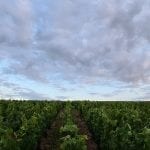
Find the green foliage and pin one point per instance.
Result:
(71, 140)
(21, 123)
(118, 125)
(69, 129)
(8, 140)
(74, 143)
(115, 125)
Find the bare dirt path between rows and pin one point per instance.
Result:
(51, 138)
(91, 145)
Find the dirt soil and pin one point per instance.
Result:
(83, 129)
(50, 139)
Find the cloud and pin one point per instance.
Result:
(94, 93)
(12, 90)
(32, 95)
(62, 97)
(77, 41)
(109, 42)
(16, 22)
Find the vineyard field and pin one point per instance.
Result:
(74, 125)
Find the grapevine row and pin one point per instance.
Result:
(118, 125)
(22, 123)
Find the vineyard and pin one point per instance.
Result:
(43, 125)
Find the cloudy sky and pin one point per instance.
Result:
(75, 49)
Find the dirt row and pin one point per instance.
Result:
(91, 145)
(51, 137)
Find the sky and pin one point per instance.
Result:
(75, 49)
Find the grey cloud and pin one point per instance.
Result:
(32, 95)
(146, 93)
(79, 40)
(19, 92)
(62, 97)
(28, 63)
(146, 96)
(15, 22)
(94, 93)
(110, 46)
